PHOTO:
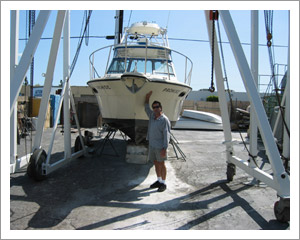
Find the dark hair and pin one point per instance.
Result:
(157, 102)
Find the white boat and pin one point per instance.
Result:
(141, 62)
(198, 120)
(203, 116)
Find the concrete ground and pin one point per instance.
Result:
(107, 193)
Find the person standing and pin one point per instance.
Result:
(158, 136)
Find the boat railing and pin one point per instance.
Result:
(183, 64)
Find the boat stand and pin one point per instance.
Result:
(279, 180)
(174, 143)
(111, 132)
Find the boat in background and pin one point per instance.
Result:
(198, 120)
(141, 62)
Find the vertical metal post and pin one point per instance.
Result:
(254, 70)
(66, 75)
(14, 38)
(146, 55)
(49, 79)
(286, 138)
(21, 69)
(280, 176)
(221, 91)
(118, 26)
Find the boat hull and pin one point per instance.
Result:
(121, 102)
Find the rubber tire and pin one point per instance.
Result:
(284, 215)
(230, 172)
(77, 146)
(34, 169)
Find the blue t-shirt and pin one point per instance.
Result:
(158, 129)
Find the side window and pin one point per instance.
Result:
(160, 67)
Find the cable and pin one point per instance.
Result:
(87, 31)
(80, 41)
(169, 38)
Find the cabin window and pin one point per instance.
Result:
(117, 66)
(138, 65)
(153, 66)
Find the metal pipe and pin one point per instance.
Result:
(28, 53)
(107, 60)
(66, 75)
(146, 56)
(56, 122)
(76, 118)
(49, 78)
(221, 91)
(14, 46)
(254, 70)
(286, 137)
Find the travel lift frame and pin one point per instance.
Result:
(39, 166)
(280, 180)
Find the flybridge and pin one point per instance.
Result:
(145, 33)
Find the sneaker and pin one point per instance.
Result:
(155, 185)
(162, 187)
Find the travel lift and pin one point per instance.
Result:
(39, 166)
(279, 180)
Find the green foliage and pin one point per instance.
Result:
(212, 99)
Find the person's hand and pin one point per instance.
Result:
(163, 153)
(148, 96)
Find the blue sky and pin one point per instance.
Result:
(187, 24)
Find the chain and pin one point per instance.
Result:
(212, 87)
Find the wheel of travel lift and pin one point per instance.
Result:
(34, 169)
(230, 171)
(282, 211)
(78, 146)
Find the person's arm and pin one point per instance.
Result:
(148, 95)
(147, 107)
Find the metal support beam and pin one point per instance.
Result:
(14, 40)
(21, 69)
(286, 138)
(221, 89)
(254, 70)
(66, 75)
(49, 78)
(281, 178)
(279, 112)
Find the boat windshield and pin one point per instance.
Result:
(153, 66)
